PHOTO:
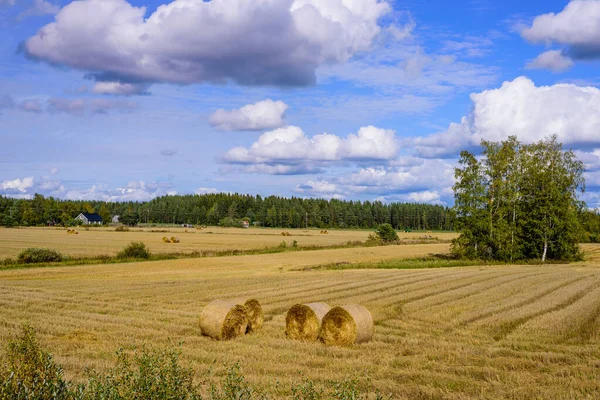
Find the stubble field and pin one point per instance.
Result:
(105, 241)
(518, 332)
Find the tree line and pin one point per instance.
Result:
(229, 209)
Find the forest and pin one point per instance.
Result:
(228, 209)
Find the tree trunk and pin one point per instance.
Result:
(545, 249)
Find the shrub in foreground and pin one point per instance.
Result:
(134, 250)
(36, 255)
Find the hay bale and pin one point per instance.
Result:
(166, 239)
(303, 321)
(347, 325)
(174, 239)
(223, 320)
(256, 317)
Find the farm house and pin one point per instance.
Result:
(90, 219)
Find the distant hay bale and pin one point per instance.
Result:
(174, 239)
(303, 321)
(223, 320)
(166, 239)
(256, 317)
(347, 325)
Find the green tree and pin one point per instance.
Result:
(387, 233)
(519, 201)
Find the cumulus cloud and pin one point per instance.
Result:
(16, 185)
(119, 89)
(290, 146)
(251, 42)
(266, 114)
(553, 60)
(522, 109)
(577, 27)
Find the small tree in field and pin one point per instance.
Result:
(387, 233)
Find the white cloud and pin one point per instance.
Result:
(289, 146)
(266, 114)
(577, 27)
(134, 191)
(553, 60)
(119, 89)
(204, 190)
(251, 42)
(17, 185)
(527, 111)
(425, 181)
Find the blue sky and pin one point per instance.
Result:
(362, 99)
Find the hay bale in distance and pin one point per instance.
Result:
(256, 317)
(174, 239)
(223, 320)
(303, 321)
(166, 239)
(347, 325)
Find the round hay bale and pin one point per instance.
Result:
(223, 320)
(303, 321)
(256, 317)
(347, 325)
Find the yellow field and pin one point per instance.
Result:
(522, 332)
(100, 241)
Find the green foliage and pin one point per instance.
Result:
(387, 233)
(233, 387)
(151, 375)
(28, 372)
(272, 211)
(134, 250)
(33, 255)
(306, 390)
(518, 202)
(229, 222)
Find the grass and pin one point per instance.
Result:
(431, 261)
(521, 332)
(107, 241)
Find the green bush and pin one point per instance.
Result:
(387, 233)
(134, 250)
(28, 372)
(36, 255)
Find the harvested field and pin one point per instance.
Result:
(101, 241)
(518, 332)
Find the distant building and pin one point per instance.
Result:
(115, 219)
(90, 219)
(245, 224)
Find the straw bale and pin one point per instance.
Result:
(223, 320)
(303, 321)
(256, 317)
(347, 325)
